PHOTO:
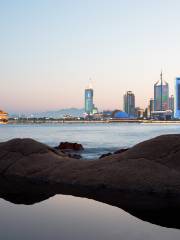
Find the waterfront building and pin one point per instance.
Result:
(139, 112)
(161, 95)
(151, 106)
(107, 114)
(97, 116)
(3, 117)
(95, 110)
(89, 100)
(129, 103)
(147, 113)
(162, 115)
(177, 98)
(171, 103)
(118, 114)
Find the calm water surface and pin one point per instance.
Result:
(96, 138)
(70, 218)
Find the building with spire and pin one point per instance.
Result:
(161, 95)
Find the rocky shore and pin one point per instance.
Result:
(144, 180)
(150, 166)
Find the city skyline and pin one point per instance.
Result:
(49, 49)
(89, 103)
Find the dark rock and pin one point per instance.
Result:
(150, 166)
(105, 155)
(121, 150)
(67, 153)
(76, 156)
(70, 146)
(145, 180)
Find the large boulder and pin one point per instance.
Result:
(151, 166)
(70, 146)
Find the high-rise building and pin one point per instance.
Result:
(177, 98)
(171, 103)
(147, 113)
(89, 100)
(161, 95)
(151, 106)
(129, 103)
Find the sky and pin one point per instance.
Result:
(50, 48)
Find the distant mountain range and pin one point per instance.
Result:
(75, 112)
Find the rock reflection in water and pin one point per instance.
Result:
(71, 218)
(159, 210)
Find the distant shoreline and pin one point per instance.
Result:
(40, 121)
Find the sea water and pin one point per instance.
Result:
(97, 138)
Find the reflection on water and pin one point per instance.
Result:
(96, 138)
(70, 218)
(65, 217)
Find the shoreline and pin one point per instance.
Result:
(36, 121)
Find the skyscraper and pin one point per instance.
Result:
(177, 98)
(151, 106)
(171, 103)
(89, 100)
(129, 103)
(161, 95)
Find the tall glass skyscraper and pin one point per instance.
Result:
(161, 95)
(129, 103)
(89, 100)
(177, 98)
